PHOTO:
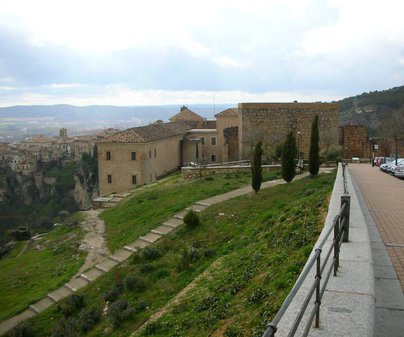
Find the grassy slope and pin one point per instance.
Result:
(251, 250)
(152, 206)
(28, 277)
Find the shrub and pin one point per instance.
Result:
(23, 330)
(90, 318)
(112, 294)
(233, 331)
(151, 253)
(145, 268)
(209, 178)
(67, 327)
(119, 312)
(73, 304)
(185, 262)
(191, 219)
(141, 306)
(162, 273)
(209, 252)
(134, 282)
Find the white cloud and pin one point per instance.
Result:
(281, 47)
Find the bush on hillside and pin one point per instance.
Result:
(191, 219)
(119, 312)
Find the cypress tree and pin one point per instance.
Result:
(289, 151)
(314, 155)
(256, 169)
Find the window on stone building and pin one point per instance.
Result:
(133, 155)
(108, 155)
(213, 141)
(133, 180)
(155, 153)
(109, 178)
(213, 157)
(203, 140)
(150, 154)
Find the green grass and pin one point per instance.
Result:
(41, 268)
(151, 206)
(248, 252)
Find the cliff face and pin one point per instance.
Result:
(40, 199)
(86, 188)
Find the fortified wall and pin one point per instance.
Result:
(270, 123)
(353, 141)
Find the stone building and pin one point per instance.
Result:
(270, 122)
(141, 155)
(227, 123)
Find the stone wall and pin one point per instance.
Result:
(353, 141)
(230, 144)
(270, 123)
(197, 172)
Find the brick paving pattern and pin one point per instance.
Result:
(384, 197)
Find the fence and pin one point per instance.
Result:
(340, 230)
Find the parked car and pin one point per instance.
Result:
(382, 160)
(399, 171)
(384, 166)
(392, 165)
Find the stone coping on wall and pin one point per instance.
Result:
(203, 171)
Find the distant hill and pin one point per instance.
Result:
(373, 109)
(19, 122)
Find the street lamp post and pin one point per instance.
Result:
(370, 150)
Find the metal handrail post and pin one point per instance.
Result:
(336, 243)
(346, 214)
(318, 298)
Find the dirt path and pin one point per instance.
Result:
(93, 242)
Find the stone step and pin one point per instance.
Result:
(133, 250)
(196, 208)
(76, 284)
(155, 231)
(106, 265)
(164, 229)
(11, 323)
(114, 258)
(139, 244)
(93, 274)
(150, 237)
(179, 217)
(173, 222)
(34, 309)
(121, 255)
(202, 203)
(123, 195)
(60, 293)
(43, 304)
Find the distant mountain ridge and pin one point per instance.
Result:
(106, 112)
(373, 109)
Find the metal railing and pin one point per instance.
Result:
(340, 229)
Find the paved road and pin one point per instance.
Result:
(384, 197)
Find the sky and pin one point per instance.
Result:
(130, 52)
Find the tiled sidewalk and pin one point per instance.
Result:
(384, 197)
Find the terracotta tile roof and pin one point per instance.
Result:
(148, 133)
(206, 125)
(186, 115)
(228, 112)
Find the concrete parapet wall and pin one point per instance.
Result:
(197, 172)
